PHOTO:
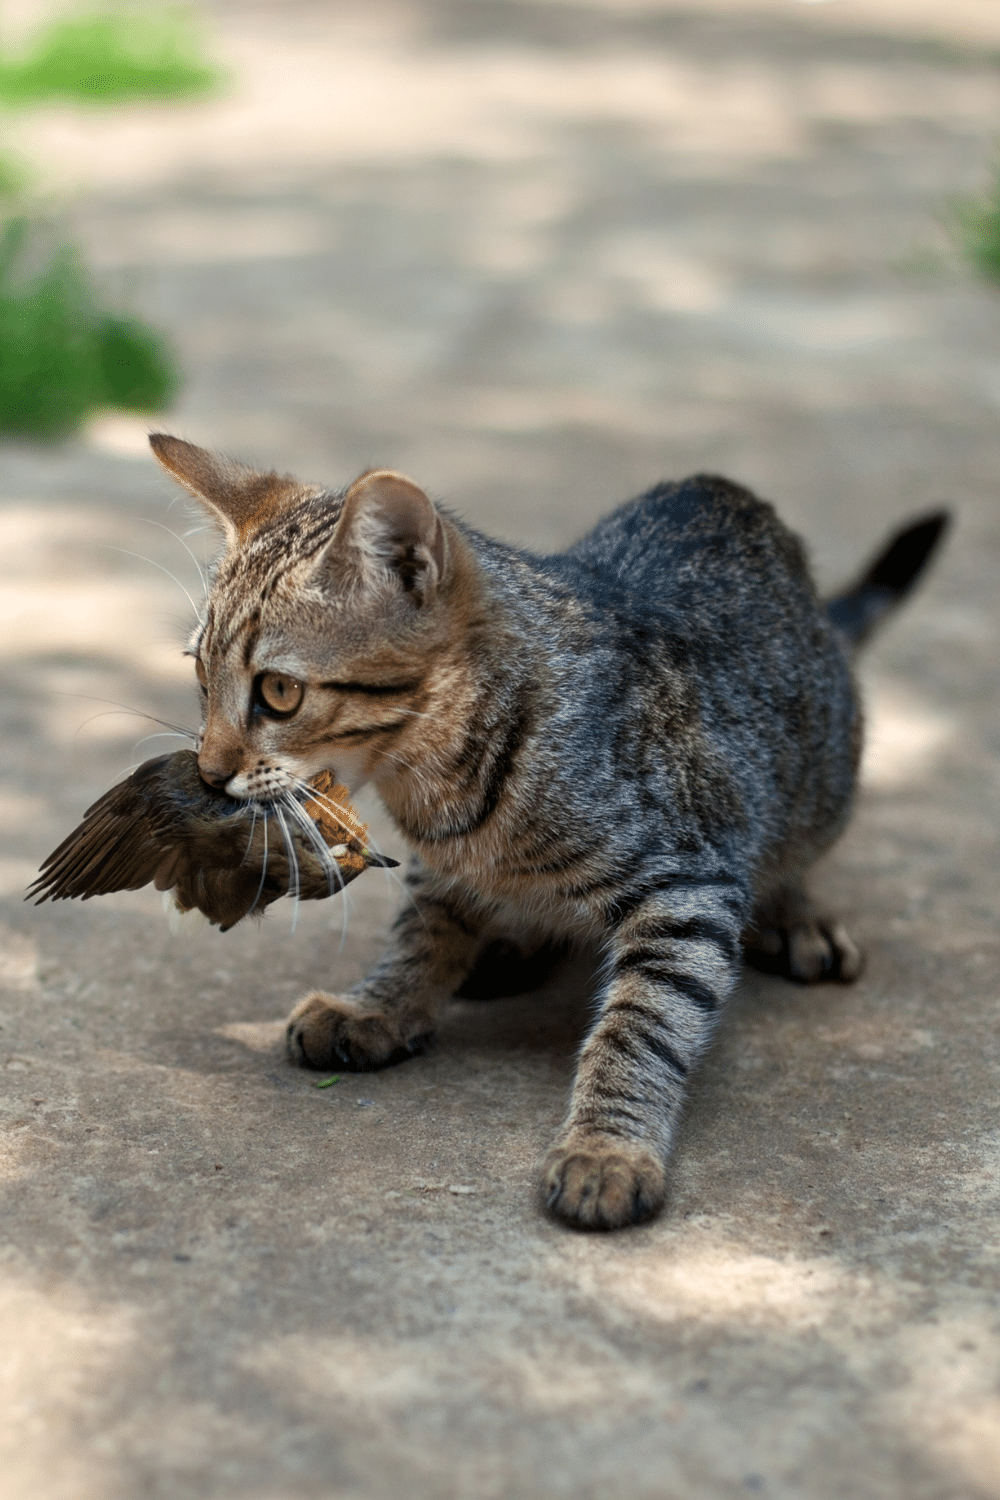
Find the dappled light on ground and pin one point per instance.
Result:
(539, 256)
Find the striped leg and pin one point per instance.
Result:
(673, 963)
(393, 1011)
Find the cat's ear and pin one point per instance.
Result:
(389, 531)
(240, 498)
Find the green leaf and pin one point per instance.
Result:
(326, 1083)
(108, 56)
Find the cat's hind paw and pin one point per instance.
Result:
(325, 1031)
(596, 1181)
(810, 952)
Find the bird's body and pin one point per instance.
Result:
(226, 858)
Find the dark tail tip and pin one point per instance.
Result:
(380, 861)
(859, 609)
(903, 561)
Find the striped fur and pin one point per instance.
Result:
(641, 742)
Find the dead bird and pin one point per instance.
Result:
(223, 856)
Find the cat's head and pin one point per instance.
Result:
(330, 625)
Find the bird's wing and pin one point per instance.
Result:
(117, 846)
(164, 825)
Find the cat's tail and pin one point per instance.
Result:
(859, 609)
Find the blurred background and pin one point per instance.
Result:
(538, 254)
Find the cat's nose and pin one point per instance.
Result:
(214, 775)
(219, 753)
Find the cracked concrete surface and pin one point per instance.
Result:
(538, 255)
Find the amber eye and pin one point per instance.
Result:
(279, 693)
(200, 672)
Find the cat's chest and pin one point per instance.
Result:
(528, 888)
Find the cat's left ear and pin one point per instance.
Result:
(389, 529)
(240, 499)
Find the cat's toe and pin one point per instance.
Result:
(593, 1181)
(812, 952)
(823, 952)
(849, 961)
(324, 1031)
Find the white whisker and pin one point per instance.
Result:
(312, 833)
(346, 815)
(263, 868)
(126, 553)
(137, 713)
(183, 543)
(253, 829)
(390, 877)
(163, 734)
(293, 865)
(333, 870)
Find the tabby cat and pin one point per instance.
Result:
(642, 742)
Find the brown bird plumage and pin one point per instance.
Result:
(226, 858)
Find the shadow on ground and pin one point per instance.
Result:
(538, 255)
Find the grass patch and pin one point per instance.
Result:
(976, 229)
(61, 355)
(107, 57)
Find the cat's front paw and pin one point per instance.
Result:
(596, 1181)
(325, 1031)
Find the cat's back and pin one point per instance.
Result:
(701, 595)
(685, 540)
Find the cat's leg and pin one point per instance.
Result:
(393, 1011)
(790, 937)
(672, 964)
(509, 967)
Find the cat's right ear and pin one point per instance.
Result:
(239, 498)
(389, 536)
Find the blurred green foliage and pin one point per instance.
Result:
(61, 355)
(976, 227)
(137, 372)
(14, 177)
(109, 56)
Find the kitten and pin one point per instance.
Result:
(643, 741)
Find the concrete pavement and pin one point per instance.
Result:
(537, 255)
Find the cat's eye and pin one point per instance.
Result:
(281, 694)
(200, 672)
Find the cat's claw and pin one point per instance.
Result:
(324, 1031)
(595, 1181)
